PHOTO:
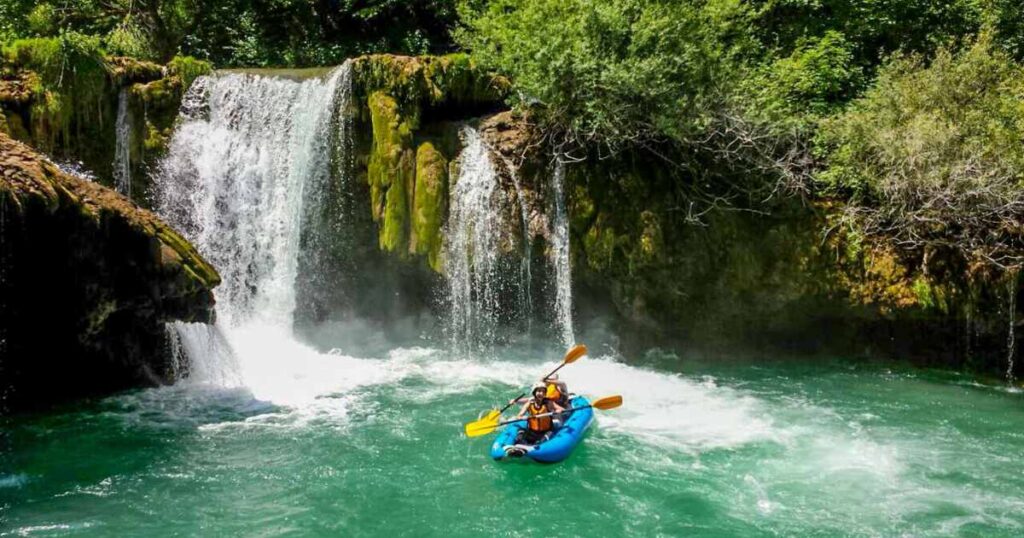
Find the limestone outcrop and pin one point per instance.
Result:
(87, 282)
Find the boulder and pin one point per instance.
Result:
(88, 281)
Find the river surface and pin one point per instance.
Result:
(332, 445)
(265, 435)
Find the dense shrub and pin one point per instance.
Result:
(932, 156)
(619, 71)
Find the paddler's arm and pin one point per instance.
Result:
(523, 410)
(558, 408)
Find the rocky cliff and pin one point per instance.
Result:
(783, 276)
(87, 282)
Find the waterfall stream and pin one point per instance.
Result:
(122, 150)
(1011, 335)
(560, 256)
(472, 247)
(251, 154)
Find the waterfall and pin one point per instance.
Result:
(1011, 337)
(560, 257)
(249, 157)
(526, 272)
(122, 151)
(472, 245)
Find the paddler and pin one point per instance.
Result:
(557, 391)
(538, 427)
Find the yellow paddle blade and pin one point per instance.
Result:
(493, 414)
(574, 353)
(608, 402)
(480, 427)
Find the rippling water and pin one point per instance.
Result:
(363, 447)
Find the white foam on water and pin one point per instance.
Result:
(13, 480)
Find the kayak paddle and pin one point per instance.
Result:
(491, 417)
(480, 427)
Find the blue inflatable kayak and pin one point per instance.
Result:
(556, 448)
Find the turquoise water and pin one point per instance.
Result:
(342, 446)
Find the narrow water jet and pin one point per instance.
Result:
(122, 164)
(1011, 334)
(526, 271)
(472, 246)
(560, 256)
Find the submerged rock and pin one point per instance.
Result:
(87, 281)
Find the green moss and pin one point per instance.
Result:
(651, 246)
(429, 80)
(429, 203)
(188, 69)
(73, 80)
(390, 172)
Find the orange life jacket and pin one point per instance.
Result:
(554, 394)
(535, 423)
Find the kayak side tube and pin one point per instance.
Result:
(558, 446)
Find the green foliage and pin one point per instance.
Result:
(930, 124)
(72, 78)
(618, 71)
(243, 32)
(129, 39)
(874, 28)
(188, 68)
(818, 77)
(932, 153)
(42, 20)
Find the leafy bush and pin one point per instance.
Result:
(931, 156)
(817, 78)
(42, 20)
(617, 72)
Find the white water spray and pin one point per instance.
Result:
(122, 150)
(560, 257)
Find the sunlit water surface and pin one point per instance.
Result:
(332, 445)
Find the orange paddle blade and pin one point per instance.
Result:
(574, 353)
(608, 402)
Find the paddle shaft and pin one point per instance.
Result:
(553, 413)
(553, 372)
(510, 404)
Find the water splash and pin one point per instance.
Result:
(472, 247)
(251, 155)
(122, 150)
(560, 256)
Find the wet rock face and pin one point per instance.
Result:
(87, 281)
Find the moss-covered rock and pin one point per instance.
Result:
(430, 203)
(421, 82)
(409, 102)
(89, 279)
(61, 95)
(391, 169)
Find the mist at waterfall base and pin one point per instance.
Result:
(358, 431)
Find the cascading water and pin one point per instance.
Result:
(122, 150)
(560, 256)
(472, 247)
(1011, 336)
(525, 292)
(250, 156)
